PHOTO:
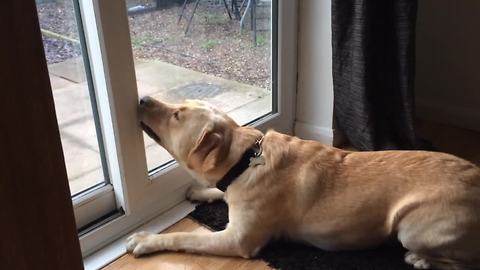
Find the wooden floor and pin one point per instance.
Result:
(461, 142)
(182, 261)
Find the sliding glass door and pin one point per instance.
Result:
(203, 50)
(103, 56)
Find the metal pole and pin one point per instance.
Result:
(254, 22)
(191, 17)
(183, 10)
(226, 7)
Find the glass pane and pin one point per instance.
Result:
(71, 92)
(223, 56)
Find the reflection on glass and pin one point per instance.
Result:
(218, 55)
(70, 88)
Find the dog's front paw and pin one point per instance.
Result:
(141, 243)
(416, 260)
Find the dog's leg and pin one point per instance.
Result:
(225, 243)
(202, 194)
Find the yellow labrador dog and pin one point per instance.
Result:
(281, 186)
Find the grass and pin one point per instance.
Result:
(209, 44)
(140, 41)
(214, 18)
(261, 39)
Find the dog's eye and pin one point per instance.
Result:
(175, 114)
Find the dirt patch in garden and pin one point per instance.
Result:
(214, 44)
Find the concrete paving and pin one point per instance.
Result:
(163, 81)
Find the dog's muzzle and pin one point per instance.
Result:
(150, 132)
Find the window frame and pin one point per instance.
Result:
(106, 26)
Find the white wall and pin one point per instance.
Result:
(448, 66)
(448, 62)
(314, 110)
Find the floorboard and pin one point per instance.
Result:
(183, 261)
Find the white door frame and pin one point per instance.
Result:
(139, 195)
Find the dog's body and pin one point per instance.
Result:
(327, 197)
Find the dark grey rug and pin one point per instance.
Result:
(287, 255)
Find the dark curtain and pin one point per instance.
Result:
(373, 72)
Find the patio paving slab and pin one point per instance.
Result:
(175, 84)
(59, 83)
(71, 69)
(78, 134)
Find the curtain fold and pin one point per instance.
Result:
(373, 72)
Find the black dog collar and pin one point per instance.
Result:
(247, 160)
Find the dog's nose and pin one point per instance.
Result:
(146, 101)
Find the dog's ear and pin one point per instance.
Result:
(210, 149)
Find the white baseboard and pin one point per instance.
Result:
(449, 113)
(312, 132)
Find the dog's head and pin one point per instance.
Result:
(206, 141)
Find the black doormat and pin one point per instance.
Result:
(287, 255)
